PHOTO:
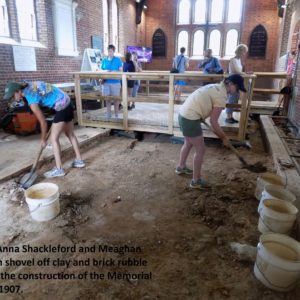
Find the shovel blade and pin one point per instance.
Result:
(28, 179)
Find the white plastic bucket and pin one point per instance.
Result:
(43, 201)
(276, 216)
(277, 263)
(277, 192)
(267, 179)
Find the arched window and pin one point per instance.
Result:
(215, 42)
(4, 28)
(105, 25)
(115, 24)
(217, 7)
(198, 43)
(183, 41)
(234, 11)
(212, 24)
(184, 12)
(231, 42)
(200, 12)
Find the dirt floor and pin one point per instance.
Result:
(129, 195)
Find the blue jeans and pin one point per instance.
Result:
(232, 99)
(136, 88)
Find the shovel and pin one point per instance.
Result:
(256, 168)
(28, 179)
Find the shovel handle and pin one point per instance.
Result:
(241, 158)
(40, 151)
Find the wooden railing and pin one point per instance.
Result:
(166, 79)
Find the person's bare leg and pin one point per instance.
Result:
(116, 105)
(179, 92)
(198, 143)
(108, 105)
(69, 132)
(184, 152)
(56, 130)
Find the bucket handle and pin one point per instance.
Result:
(41, 205)
(262, 219)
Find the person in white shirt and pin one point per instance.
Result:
(207, 101)
(235, 67)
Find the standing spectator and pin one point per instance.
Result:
(235, 67)
(128, 66)
(181, 63)
(111, 87)
(137, 83)
(210, 64)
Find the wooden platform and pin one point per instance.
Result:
(155, 112)
(154, 115)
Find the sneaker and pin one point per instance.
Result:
(184, 170)
(55, 172)
(78, 163)
(234, 120)
(229, 121)
(199, 184)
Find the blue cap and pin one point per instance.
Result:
(238, 80)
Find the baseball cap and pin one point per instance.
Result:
(10, 89)
(238, 80)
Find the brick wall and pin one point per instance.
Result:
(53, 68)
(160, 14)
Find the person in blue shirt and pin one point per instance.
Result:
(181, 63)
(39, 93)
(210, 64)
(111, 87)
(128, 66)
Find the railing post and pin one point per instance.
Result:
(171, 104)
(78, 99)
(125, 102)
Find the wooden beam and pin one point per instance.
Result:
(78, 99)
(171, 104)
(125, 102)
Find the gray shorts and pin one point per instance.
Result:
(111, 89)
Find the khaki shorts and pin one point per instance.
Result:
(111, 89)
(190, 128)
